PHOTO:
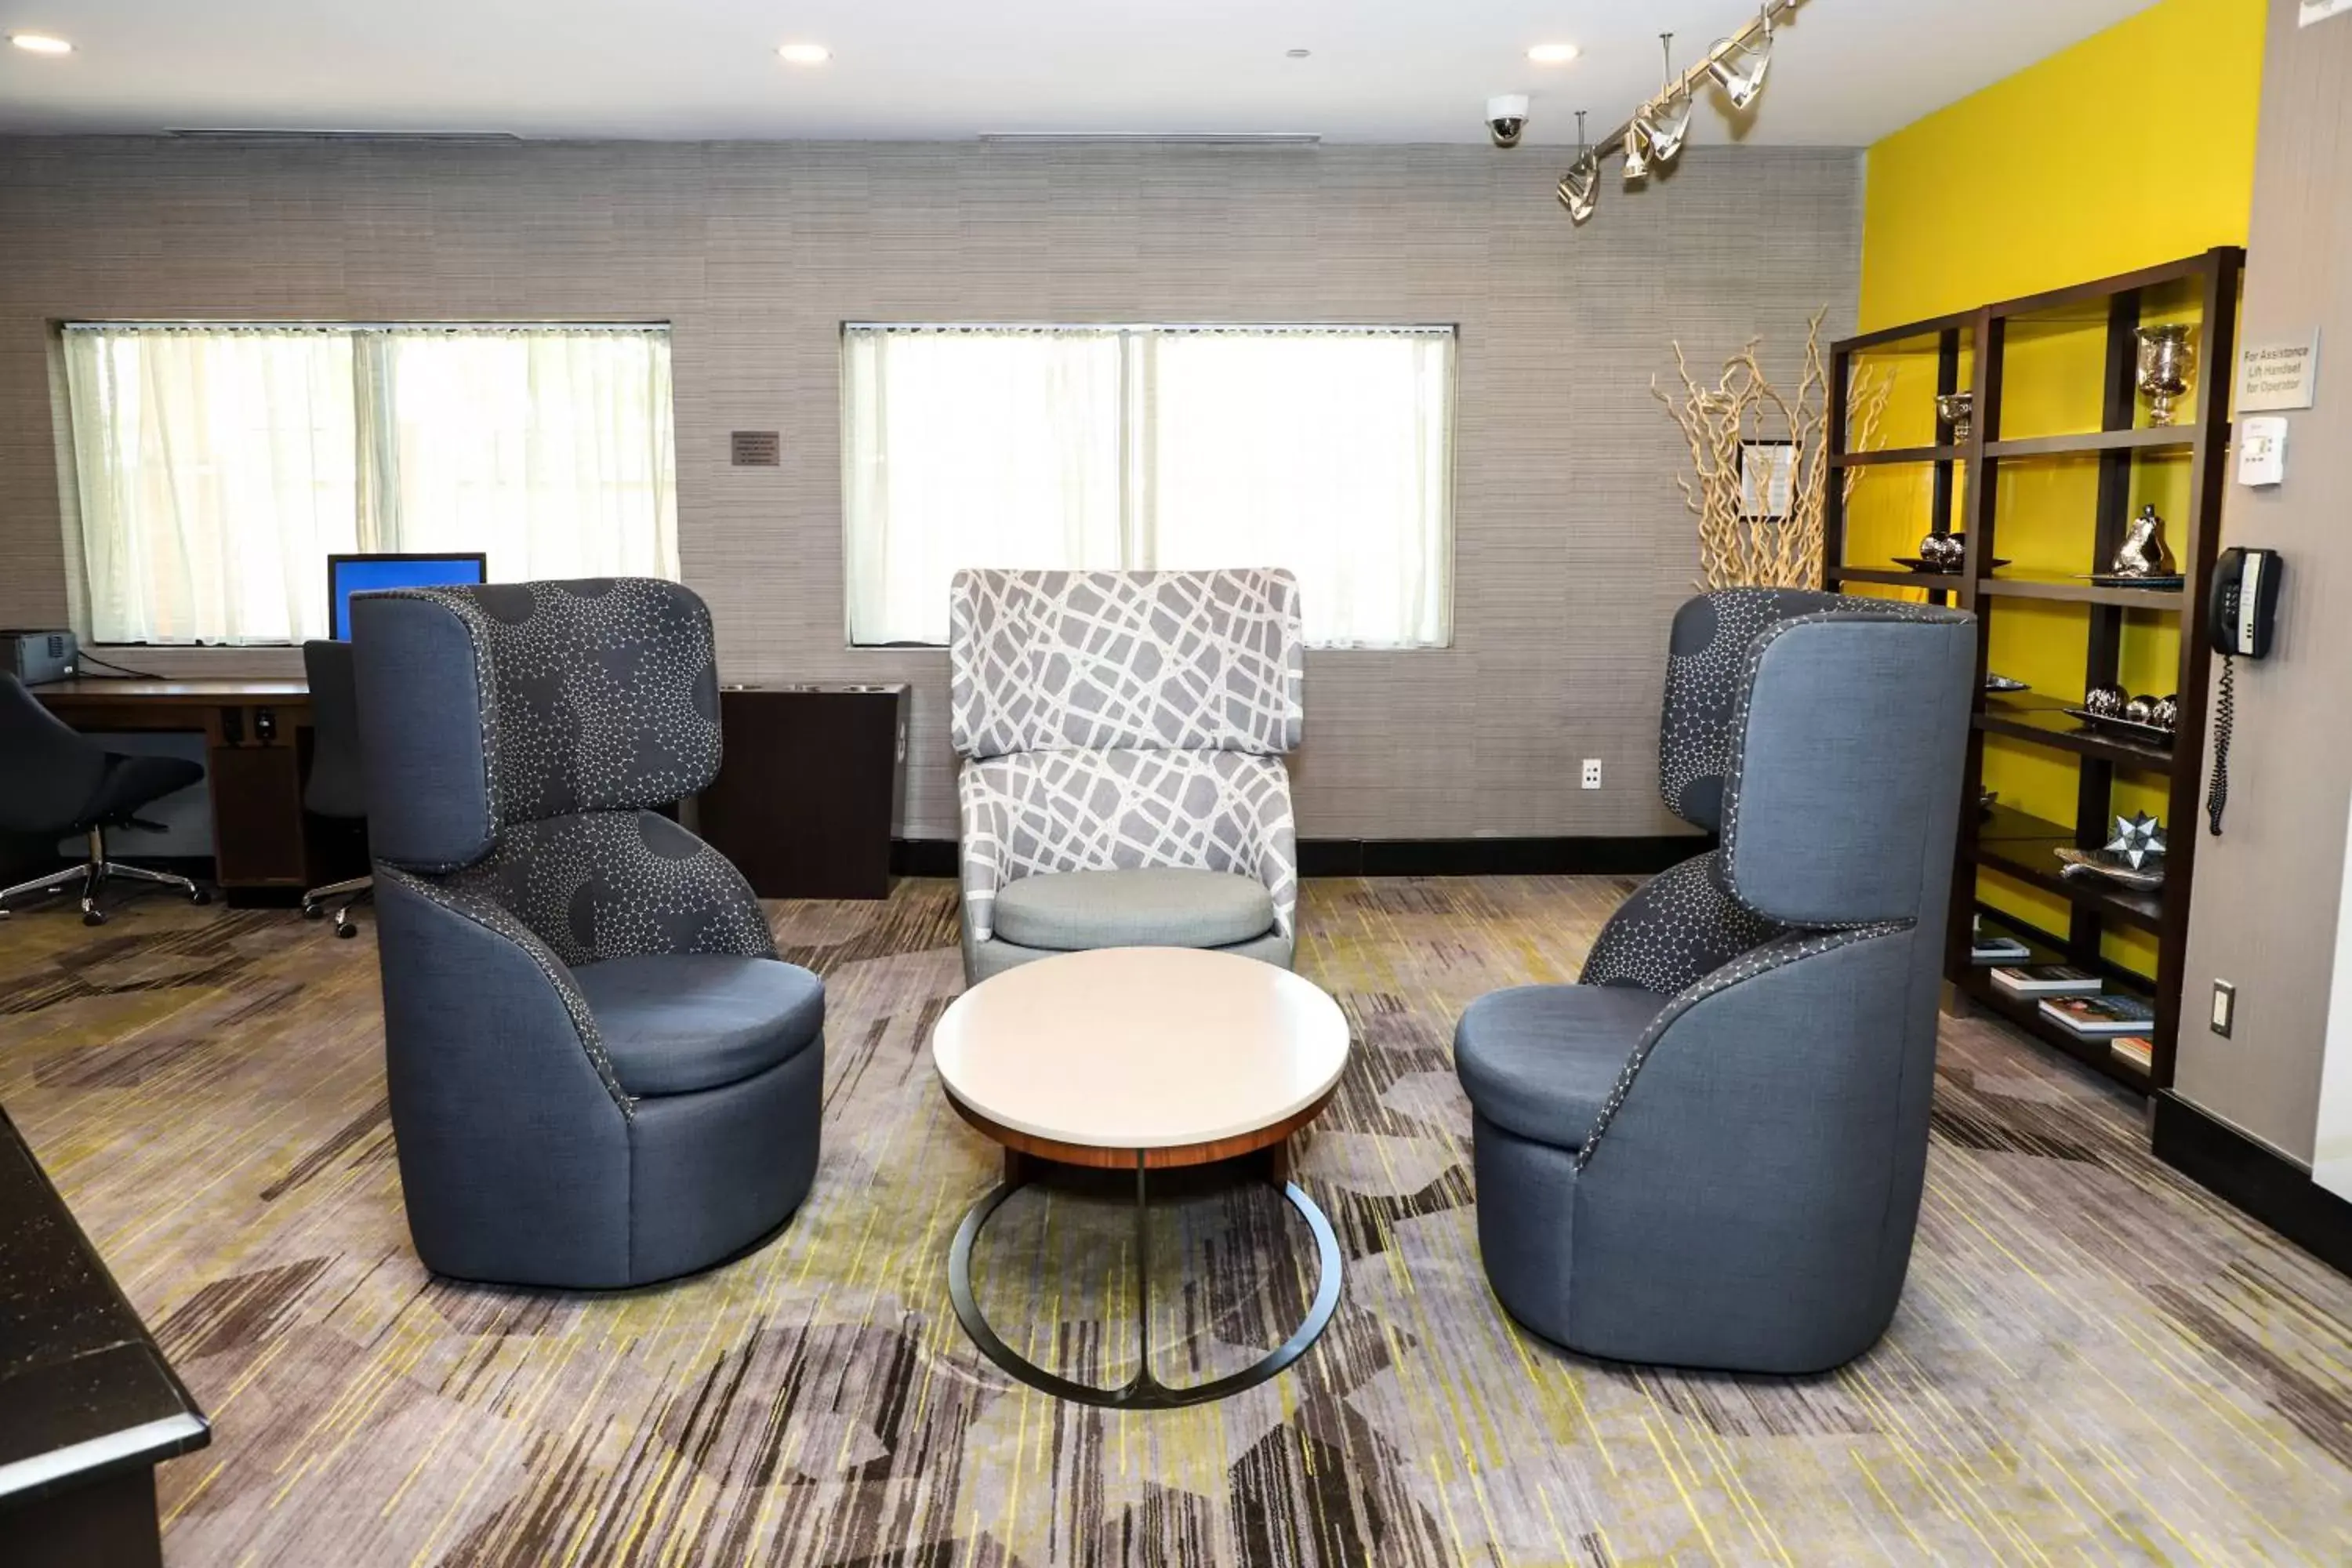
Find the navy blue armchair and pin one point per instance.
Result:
(600, 1073)
(1710, 1152)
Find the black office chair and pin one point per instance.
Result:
(335, 789)
(55, 781)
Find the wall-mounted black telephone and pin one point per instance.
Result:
(2241, 619)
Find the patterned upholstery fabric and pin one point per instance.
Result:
(1122, 810)
(603, 693)
(1100, 660)
(1678, 928)
(616, 884)
(1706, 666)
(1118, 720)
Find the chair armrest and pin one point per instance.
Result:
(471, 902)
(1795, 947)
(1035, 812)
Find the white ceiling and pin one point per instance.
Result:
(1847, 71)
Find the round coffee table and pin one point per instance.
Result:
(1141, 1058)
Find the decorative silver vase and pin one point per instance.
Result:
(2167, 362)
(1958, 409)
(2143, 553)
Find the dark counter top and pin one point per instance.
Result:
(84, 1393)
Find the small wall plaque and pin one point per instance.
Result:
(757, 448)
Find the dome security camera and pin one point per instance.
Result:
(1507, 117)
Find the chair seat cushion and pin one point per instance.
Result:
(1076, 911)
(132, 782)
(675, 1023)
(1541, 1060)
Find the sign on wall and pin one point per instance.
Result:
(2276, 376)
(2320, 10)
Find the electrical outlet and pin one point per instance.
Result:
(2225, 1007)
(1592, 773)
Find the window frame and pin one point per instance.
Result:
(1131, 397)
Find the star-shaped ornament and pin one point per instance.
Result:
(2139, 838)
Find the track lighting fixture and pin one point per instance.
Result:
(1580, 188)
(1666, 118)
(1658, 130)
(1737, 65)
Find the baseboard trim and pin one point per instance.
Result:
(2263, 1183)
(1415, 857)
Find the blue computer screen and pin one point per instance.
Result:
(349, 574)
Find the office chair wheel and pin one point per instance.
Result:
(347, 929)
(313, 912)
(94, 918)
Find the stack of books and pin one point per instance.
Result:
(2078, 1001)
(1986, 947)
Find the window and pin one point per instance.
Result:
(220, 465)
(1327, 450)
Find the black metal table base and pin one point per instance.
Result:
(1144, 1391)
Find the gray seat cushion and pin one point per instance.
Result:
(675, 1023)
(1076, 911)
(1539, 1060)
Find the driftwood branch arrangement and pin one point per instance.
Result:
(1735, 547)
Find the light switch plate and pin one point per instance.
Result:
(2225, 1007)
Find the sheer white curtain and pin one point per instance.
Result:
(973, 448)
(1325, 450)
(220, 465)
(217, 473)
(549, 448)
(1328, 453)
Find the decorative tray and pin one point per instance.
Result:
(2003, 685)
(2173, 584)
(2106, 863)
(1913, 564)
(2154, 734)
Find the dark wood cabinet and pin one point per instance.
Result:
(809, 788)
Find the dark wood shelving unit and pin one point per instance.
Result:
(2012, 844)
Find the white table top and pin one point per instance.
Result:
(1141, 1047)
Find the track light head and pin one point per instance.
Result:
(1738, 67)
(1579, 189)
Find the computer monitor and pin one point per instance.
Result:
(349, 574)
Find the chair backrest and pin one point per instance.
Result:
(48, 771)
(337, 786)
(1060, 662)
(481, 707)
(1842, 790)
(1706, 662)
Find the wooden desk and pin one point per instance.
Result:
(89, 1406)
(256, 747)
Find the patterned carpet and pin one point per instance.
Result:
(2094, 1361)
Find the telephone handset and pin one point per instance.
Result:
(2241, 619)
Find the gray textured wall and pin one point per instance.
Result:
(1572, 547)
(2268, 890)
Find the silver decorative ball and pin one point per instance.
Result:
(2140, 710)
(2105, 701)
(2164, 712)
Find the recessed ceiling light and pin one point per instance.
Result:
(805, 53)
(1297, 54)
(41, 44)
(1553, 54)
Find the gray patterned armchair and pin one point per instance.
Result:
(600, 1073)
(1123, 782)
(1710, 1151)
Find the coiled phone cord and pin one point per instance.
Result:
(2225, 706)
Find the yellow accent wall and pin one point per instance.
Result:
(2135, 147)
